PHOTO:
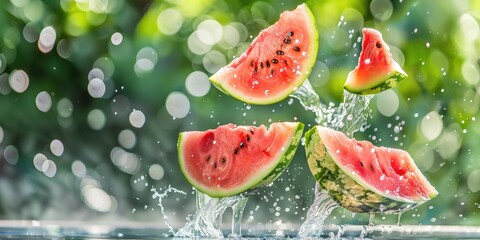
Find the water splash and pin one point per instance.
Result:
(367, 228)
(310, 100)
(208, 219)
(321, 208)
(349, 117)
(160, 197)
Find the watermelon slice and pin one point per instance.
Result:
(232, 159)
(278, 61)
(362, 177)
(377, 70)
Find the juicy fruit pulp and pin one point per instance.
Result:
(363, 177)
(377, 70)
(277, 62)
(232, 159)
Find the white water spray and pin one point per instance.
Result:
(349, 117)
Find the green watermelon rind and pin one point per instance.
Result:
(345, 188)
(263, 177)
(309, 64)
(383, 83)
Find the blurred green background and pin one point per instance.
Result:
(93, 94)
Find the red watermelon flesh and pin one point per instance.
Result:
(232, 159)
(376, 70)
(387, 171)
(277, 62)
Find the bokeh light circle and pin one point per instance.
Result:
(96, 73)
(65, 107)
(137, 118)
(177, 105)
(116, 38)
(47, 39)
(96, 88)
(43, 101)
(2, 134)
(38, 161)
(213, 61)
(387, 103)
(169, 21)
(10, 153)
(431, 125)
(79, 169)
(196, 46)
(156, 171)
(381, 9)
(19, 81)
(473, 180)
(96, 119)
(127, 139)
(197, 84)
(56, 147)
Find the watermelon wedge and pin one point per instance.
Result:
(278, 61)
(362, 177)
(377, 70)
(232, 159)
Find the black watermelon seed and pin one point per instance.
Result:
(268, 63)
(371, 168)
(379, 45)
(215, 165)
(261, 65)
(208, 158)
(274, 61)
(252, 63)
(361, 164)
(251, 131)
(296, 48)
(272, 72)
(248, 138)
(280, 52)
(242, 144)
(235, 151)
(255, 70)
(223, 160)
(290, 33)
(287, 40)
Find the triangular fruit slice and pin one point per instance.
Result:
(232, 159)
(362, 177)
(377, 70)
(277, 62)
